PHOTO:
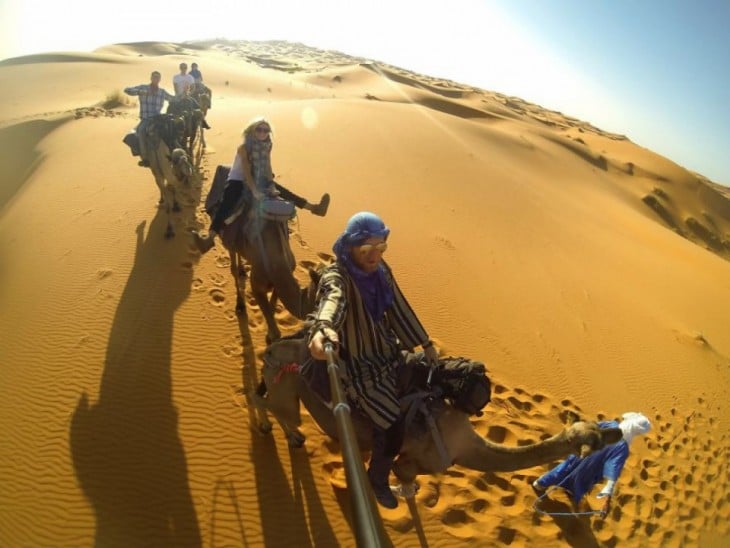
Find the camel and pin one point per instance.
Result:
(202, 95)
(167, 163)
(264, 245)
(189, 111)
(421, 451)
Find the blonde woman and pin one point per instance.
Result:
(252, 167)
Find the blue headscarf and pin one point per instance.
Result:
(376, 293)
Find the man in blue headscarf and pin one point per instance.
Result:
(361, 309)
(578, 476)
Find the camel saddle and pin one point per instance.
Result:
(460, 381)
(168, 127)
(272, 209)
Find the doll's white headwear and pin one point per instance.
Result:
(634, 424)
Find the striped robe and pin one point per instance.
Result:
(371, 350)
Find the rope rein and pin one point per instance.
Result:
(536, 508)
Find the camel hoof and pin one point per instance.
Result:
(296, 440)
(405, 490)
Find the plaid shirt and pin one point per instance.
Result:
(151, 104)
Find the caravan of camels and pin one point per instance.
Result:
(505, 327)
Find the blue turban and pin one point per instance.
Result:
(376, 292)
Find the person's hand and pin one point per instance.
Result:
(431, 355)
(606, 506)
(316, 345)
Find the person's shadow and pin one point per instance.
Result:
(125, 448)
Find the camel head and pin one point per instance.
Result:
(586, 437)
(286, 351)
(181, 167)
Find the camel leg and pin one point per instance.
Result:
(160, 182)
(239, 276)
(262, 417)
(406, 469)
(169, 207)
(294, 437)
(169, 231)
(259, 292)
(273, 333)
(282, 401)
(175, 205)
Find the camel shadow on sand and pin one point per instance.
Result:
(125, 447)
(282, 499)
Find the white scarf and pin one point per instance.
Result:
(634, 424)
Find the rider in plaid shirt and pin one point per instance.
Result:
(151, 99)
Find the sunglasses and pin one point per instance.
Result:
(263, 129)
(364, 249)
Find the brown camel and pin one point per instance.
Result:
(420, 452)
(201, 94)
(264, 245)
(186, 108)
(169, 165)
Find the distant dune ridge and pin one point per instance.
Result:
(591, 275)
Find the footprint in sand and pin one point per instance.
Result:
(103, 273)
(232, 350)
(335, 471)
(223, 261)
(217, 297)
(218, 279)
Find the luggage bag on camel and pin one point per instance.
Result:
(274, 209)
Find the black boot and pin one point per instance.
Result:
(379, 470)
(321, 208)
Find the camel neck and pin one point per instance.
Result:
(501, 458)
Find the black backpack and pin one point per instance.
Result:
(465, 383)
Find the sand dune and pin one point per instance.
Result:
(588, 273)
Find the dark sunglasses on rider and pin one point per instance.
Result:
(263, 129)
(364, 249)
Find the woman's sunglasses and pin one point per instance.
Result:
(364, 249)
(263, 129)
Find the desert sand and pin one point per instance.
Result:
(589, 274)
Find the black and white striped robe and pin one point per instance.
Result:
(371, 350)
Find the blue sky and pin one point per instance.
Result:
(657, 71)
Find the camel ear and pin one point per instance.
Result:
(611, 435)
(569, 417)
